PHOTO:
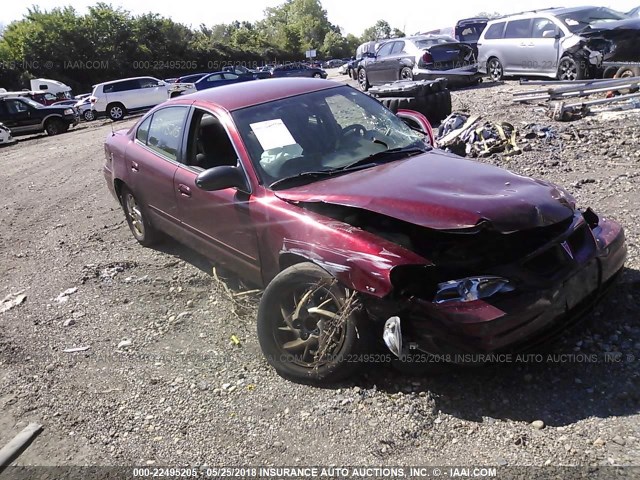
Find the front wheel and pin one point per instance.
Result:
(317, 75)
(137, 219)
(495, 70)
(55, 126)
(406, 74)
(89, 115)
(310, 328)
(571, 69)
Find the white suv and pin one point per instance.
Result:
(117, 98)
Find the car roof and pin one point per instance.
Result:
(548, 11)
(123, 80)
(246, 94)
(429, 36)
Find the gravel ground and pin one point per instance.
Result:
(162, 383)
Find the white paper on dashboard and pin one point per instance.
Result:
(272, 134)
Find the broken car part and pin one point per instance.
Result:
(18, 444)
(562, 112)
(470, 289)
(392, 335)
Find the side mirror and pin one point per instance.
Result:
(161, 83)
(220, 178)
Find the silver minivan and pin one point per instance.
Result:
(541, 43)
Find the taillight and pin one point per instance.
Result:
(93, 99)
(427, 58)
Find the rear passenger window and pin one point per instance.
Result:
(143, 130)
(126, 85)
(494, 31)
(397, 48)
(165, 132)
(518, 29)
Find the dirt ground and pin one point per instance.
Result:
(184, 394)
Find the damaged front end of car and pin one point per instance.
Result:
(490, 292)
(482, 290)
(607, 42)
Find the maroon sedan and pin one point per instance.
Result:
(361, 232)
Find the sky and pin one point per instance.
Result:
(410, 16)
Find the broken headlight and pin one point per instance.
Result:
(471, 288)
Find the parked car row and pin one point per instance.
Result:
(563, 43)
(117, 98)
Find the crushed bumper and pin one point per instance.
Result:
(463, 76)
(520, 320)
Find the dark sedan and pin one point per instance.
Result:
(424, 57)
(218, 79)
(297, 70)
(364, 236)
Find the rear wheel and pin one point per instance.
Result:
(137, 219)
(317, 75)
(495, 69)
(309, 327)
(55, 126)
(363, 81)
(116, 111)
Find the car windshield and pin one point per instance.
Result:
(429, 42)
(31, 103)
(580, 19)
(326, 132)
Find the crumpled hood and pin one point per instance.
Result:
(445, 192)
(598, 27)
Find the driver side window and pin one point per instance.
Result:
(164, 132)
(209, 144)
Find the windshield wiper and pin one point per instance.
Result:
(371, 160)
(304, 175)
(387, 155)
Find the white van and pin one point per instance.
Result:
(117, 98)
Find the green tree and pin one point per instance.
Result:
(381, 29)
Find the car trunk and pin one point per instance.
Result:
(448, 56)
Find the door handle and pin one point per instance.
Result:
(184, 190)
(134, 167)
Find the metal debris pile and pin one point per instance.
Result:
(471, 135)
(620, 91)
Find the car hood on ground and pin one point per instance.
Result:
(444, 192)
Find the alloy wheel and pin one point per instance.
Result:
(135, 214)
(311, 328)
